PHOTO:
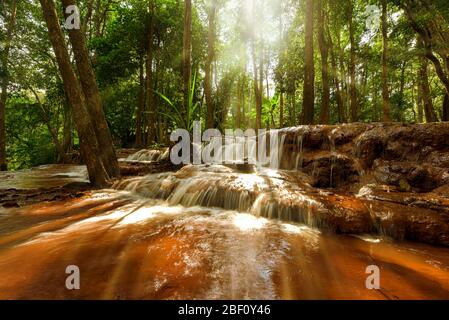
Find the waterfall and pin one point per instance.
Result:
(150, 156)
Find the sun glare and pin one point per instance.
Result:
(247, 222)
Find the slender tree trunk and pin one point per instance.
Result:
(187, 54)
(141, 106)
(267, 82)
(244, 87)
(374, 96)
(309, 69)
(238, 113)
(353, 88)
(281, 109)
(292, 108)
(261, 77)
(344, 90)
(93, 98)
(324, 49)
(208, 67)
(336, 81)
(385, 90)
(226, 106)
(4, 82)
(420, 102)
(425, 90)
(401, 91)
(88, 139)
(88, 17)
(257, 91)
(281, 84)
(151, 134)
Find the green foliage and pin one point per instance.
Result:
(119, 101)
(271, 33)
(29, 142)
(183, 118)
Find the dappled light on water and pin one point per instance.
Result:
(246, 222)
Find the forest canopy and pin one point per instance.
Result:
(143, 68)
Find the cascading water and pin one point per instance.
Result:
(150, 156)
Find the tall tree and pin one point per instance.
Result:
(92, 96)
(309, 69)
(257, 73)
(141, 104)
(90, 148)
(336, 81)
(385, 89)
(419, 99)
(257, 92)
(4, 58)
(187, 54)
(352, 86)
(423, 80)
(239, 105)
(151, 108)
(324, 49)
(211, 35)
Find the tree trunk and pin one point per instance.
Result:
(257, 90)
(336, 80)
(93, 100)
(88, 17)
(292, 108)
(88, 139)
(344, 89)
(281, 84)
(187, 55)
(244, 87)
(309, 68)
(281, 109)
(4, 56)
(141, 106)
(401, 91)
(261, 77)
(385, 91)
(425, 90)
(151, 134)
(208, 67)
(238, 113)
(353, 88)
(324, 49)
(419, 102)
